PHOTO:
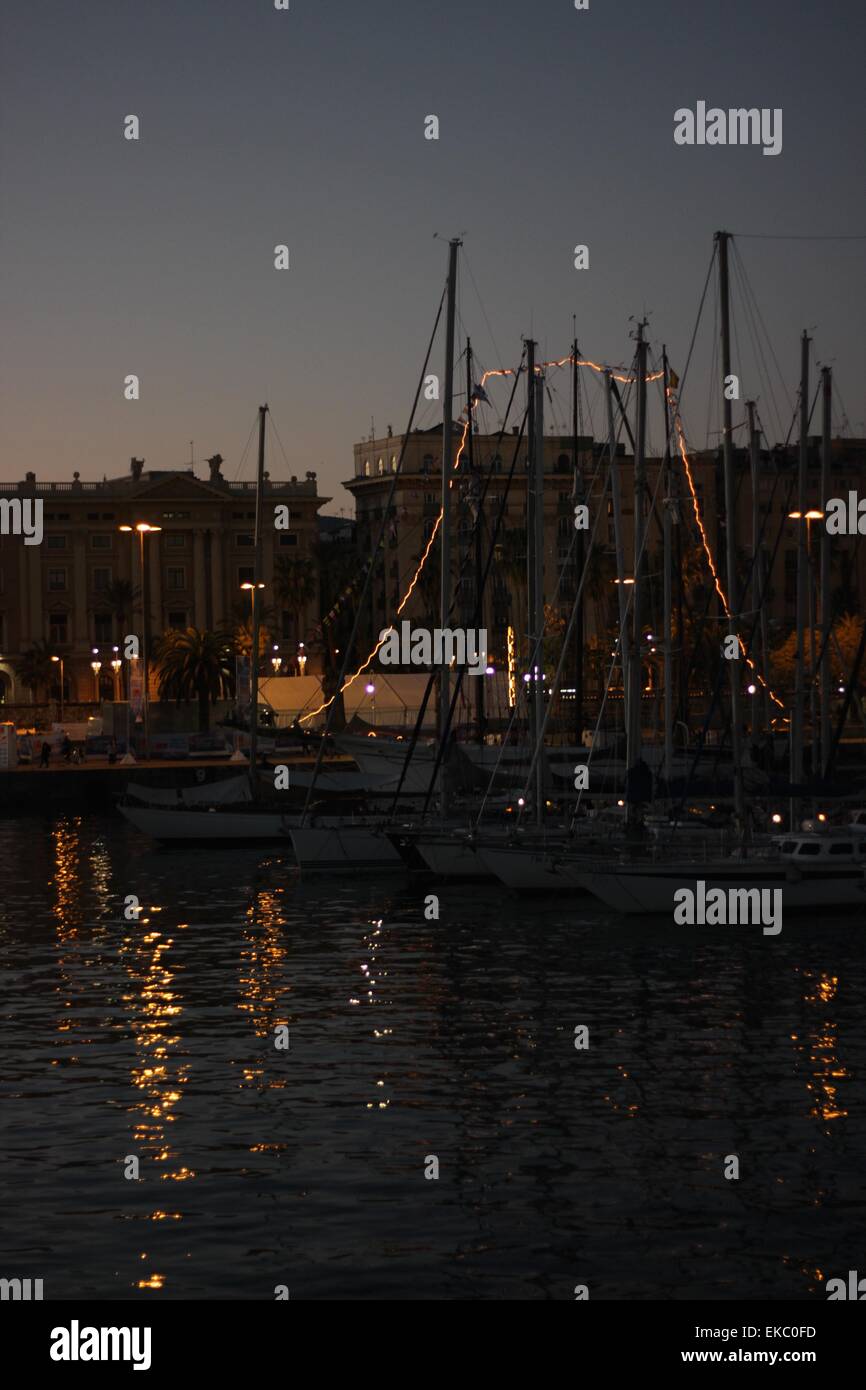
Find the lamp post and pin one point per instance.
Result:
(276, 660)
(371, 691)
(96, 667)
(60, 659)
(116, 664)
(253, 589)
(143, 528)
(302, 659)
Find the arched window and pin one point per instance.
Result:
(366, 468)
(427, 463)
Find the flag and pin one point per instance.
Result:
(673, 379)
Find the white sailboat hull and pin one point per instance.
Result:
(342, 848)
(651, 889)
(173, 824)
(522, 867)
(452, 858)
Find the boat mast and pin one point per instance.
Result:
(579, 556)
(759, 569)
(797, 728)
(667, 520)
(445, 537)
(634, 708)
(826, 615)
(731, 534)
(257, 579)
(535, 565)
(616, 503)
(475, 492)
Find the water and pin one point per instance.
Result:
(410, 1039)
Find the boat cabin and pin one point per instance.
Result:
(835, 846)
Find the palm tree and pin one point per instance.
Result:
(34, 668)
(192, 664)
(294, 586)
(239, 628)
(120, 596)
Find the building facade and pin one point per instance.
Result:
(81, 589)
(413, 510)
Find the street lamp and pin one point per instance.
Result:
(276, 661)
(60, 659)
(116, 664)
(371, 691)
(96, 667)
(302, 659)
(253, 589)
(143, 528)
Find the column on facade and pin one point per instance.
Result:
(35, 581)
(199, 590)
(218, 576)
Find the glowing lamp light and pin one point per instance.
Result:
(370, 688)
(521, 801)
(489, 671)
(751, 689)
(777, 819)
(620, 802)
(821, 817)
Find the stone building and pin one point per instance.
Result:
(63, 591)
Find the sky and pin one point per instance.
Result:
(306, 127)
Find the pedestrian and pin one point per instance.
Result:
(44, 754)
(66, 748)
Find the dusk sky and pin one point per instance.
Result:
(306, 127)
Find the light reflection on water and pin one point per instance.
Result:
(409, 1038)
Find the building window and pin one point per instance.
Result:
(175, 516)
(289, 538)
(177, 619)
(245, 574)
(427, 463)
(176, 577)
(102, 628)
(101, 579)
(175, 540)
(57, 581)
(244, 540)
(58, 629)
(101, 540)
(380, 466)
(55, 542)
(287, 629)
(393, 463)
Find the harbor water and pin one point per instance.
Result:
(159, 1144)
